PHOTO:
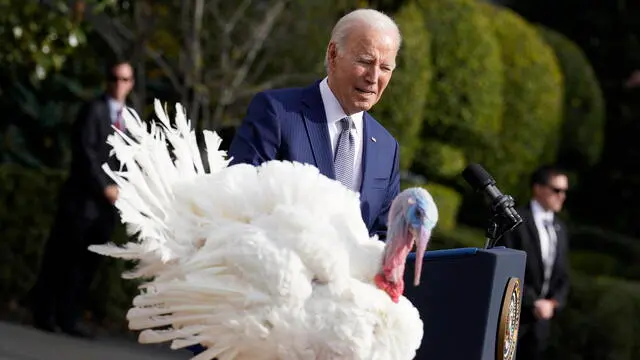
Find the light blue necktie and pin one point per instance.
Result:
(345, 153)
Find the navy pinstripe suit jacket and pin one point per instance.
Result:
(290, 124)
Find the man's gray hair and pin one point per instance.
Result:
(361, 17)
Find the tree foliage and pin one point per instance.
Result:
(42, 34)
(465, 102)
(402, 107)
(212, 56)
(532, 93)
(584, 113)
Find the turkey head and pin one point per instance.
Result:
(412, 217)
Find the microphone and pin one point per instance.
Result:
(504, 217)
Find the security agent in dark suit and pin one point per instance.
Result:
(86, 214)
(544, 238)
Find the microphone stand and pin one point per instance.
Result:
(503, 219)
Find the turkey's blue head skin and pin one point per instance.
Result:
(412, 217)
(417, 212)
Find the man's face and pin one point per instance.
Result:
(359, 72)
(121, 82)
(552, 195)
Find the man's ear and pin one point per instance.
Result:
(332, 52)
(536, 189)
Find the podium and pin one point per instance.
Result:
(469, 300)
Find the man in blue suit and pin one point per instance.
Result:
(306, 124)
(327, 125)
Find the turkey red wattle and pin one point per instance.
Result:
(391, 278)
(394, 290)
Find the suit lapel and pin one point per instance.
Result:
(370, 152)
(535, 238)
(106, 117)
(316, 124)
(560, 241)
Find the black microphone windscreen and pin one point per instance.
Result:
(476, 176)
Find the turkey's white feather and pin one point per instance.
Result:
(268, 262)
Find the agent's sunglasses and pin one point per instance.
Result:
(119, 78)
(557, 190)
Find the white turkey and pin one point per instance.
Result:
(268, 262)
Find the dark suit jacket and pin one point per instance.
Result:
(86, 181)
(526, 238)
(291, 124)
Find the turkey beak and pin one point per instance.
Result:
(421, 247)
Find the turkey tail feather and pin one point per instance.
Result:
(147, 178)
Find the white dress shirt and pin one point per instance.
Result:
(335, 113)
(547, 245)
(539, 216)
(114, 107)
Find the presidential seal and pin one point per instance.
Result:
(509, 321)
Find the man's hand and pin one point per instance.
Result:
(111, 193)
(543, 309)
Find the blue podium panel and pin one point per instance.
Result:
(469, 300)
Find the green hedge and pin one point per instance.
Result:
(532, 94)
(584, 112)
(28, 205)
(600, 322)
(402, 106)
(29, 199)
(603, 246)
(595, 263)
(459, 237)
(465, 102)
(440, 160)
